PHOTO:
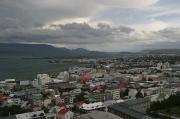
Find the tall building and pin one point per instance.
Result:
(161, 65)
(41, 81)
(64, 76)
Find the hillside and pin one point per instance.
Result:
(39, 50)
(43, 50)
(162, 51)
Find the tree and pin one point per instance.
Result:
(46, 110)
(80, 97)
(168, 111)
(139, 95)
(126, 92)
(14, 109)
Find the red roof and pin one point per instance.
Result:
(61, 104)
(87, 70)
(63, 111)
(98, 87)
(3, 98)
(85, 78)
(123, 85)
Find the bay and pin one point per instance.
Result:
(27, 68)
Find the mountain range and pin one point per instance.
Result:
(43, 50)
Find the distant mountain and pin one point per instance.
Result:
(162, 51)
(81, 51)
(42, 50)
(31, 50)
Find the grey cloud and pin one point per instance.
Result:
(31, 13)
(66, 34)
(104, 37)
(21, 20)
(126, 29)
(170, 33)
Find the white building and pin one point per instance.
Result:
(25, 83)
(92, 106)
(36, 115)
(132, 93)
(161, 65)
(31, 115)
(11, 83)
(63, 76)
(41, 80)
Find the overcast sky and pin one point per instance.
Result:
(104, 25)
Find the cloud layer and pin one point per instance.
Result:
(97, 25)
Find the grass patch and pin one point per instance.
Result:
(173, 111)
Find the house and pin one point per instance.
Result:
(115, 93)
(101, 97)
(64, 113)
(31, 115)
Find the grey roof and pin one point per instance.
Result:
(125, 110)
(136, 101)
(109, 102)
(99, 115)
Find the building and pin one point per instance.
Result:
(161, 65)
(132, 109)
(11, 83)
(60, 85)
(41, 81)
(25, 83)
(36, 115)
(92, 106)
(152, 77)
(64, 113)
(126, 112)
(67, 99)
(140, 104)
(101, 97)
(115, 93)
(99, 115)
(64, 76)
